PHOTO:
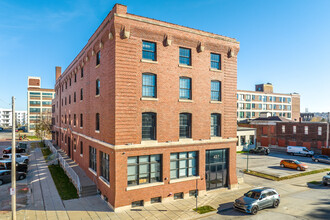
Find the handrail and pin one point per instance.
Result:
(68, 170)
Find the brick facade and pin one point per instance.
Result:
(120, 103)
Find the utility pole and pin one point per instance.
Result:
(327, 144)
(13, 163)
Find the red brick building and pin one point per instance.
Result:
(148, 110)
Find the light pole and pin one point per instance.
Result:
(13, 163)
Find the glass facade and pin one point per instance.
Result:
(183, 164)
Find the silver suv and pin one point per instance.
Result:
(326, 179)
(257, 199)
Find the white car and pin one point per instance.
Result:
(299, 150)
(19, 158)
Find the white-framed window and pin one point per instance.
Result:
(306, 130)
(283, 129)
(319, 130)
(294, 128)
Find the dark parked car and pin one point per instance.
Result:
(6, 165)
(5, 176)
(1, 129)
(22, 129)
(321, 158)
(257, 199)
(260, 150)
(18, 150)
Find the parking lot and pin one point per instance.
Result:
(270, 164)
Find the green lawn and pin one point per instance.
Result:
(63, 184)
(33, 138)
(266, 176)
(204, 209)
(241, 152)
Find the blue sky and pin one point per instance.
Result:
(285, 42)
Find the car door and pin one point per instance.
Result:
(7, 176)
(263, 201)
(327, 159)
(293, 165)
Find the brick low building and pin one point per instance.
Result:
(148, 110)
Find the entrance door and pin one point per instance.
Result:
(216, 168)
(69, 147)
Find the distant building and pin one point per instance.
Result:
(6, 117)
(250, 104)
(246, 138)
(307, 116)
(39, 102)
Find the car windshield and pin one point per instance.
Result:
(252, 194)
(297, 162)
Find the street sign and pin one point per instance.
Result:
(12, 191)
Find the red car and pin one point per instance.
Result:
(8, 150)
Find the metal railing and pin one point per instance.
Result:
(66, 167)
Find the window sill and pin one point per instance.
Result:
(185, 140)
(74, 151)
(148, 99)
(97, 95)
(185, 179)
(144, 186)
(147, 142)
(216, 138)
(81, 155)
(185, 100)
(149, 61)
(97, 131)
(97, 66)
(215, 70)
(81, 127)
(215, 102)
(106, 182)
(185, 66)
(92, 171)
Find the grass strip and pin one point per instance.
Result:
(62, 182)
(32, 137)
(241, 152)
(204, 209)
(275, 178)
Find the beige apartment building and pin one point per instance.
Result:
(250, 104)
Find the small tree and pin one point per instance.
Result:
(43, 127)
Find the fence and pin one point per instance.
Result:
(66, 167)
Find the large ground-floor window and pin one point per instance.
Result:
(92, 158)
(183, 164)
(104, 165)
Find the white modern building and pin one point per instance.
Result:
(6, 117)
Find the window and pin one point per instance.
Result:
(185, 125)
(81, 120)
(283, 129)
(260, 97)
(289, 100)
(65, 119)
(70, 82)
(253, 105)
(306, 130)
(251, 139)
(148, 50)
(216, 90)
(280, 99)
(248, 105)
(264, 98)
(98, 58)
(289, 115)
(193, 192)
(319, 130)
(81, 148)
(253, 97)
(97, 122)
(284, 99)
(74, 119)
(248, 114)
(243, 142)
(149, 85)
(65, 101)
(69, 119)
(104, 165)
(74, 97)
(92, 158)
(156, 200)
(185, 88)
(241, 114)
(260, 106)
(215, 125)
(69, 99)
(137, 203)
(82, 72)
(143, 169)
(75, 77)
(185, 56)
(74, 145)
(97, 87)
(215, 61)
(178, 195)
(66, 85)
(81, 94)
(183, 164)
(148, 126)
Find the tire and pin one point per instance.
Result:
(298, 168)
(1, 182)
(324, 183)
(26, 161)
(21, 177)
(292, 154)
(316, 160)
(282, 165)
(276, 203)
(254, 210)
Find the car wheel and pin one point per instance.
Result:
(298, 168)
(1, 182)
(282, 165)
(316, 160)
(276, 203)
(254, 210)
(26, 161)
(324, 183)
(292, 154)
(21, 177)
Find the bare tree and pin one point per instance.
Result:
(43, 127)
